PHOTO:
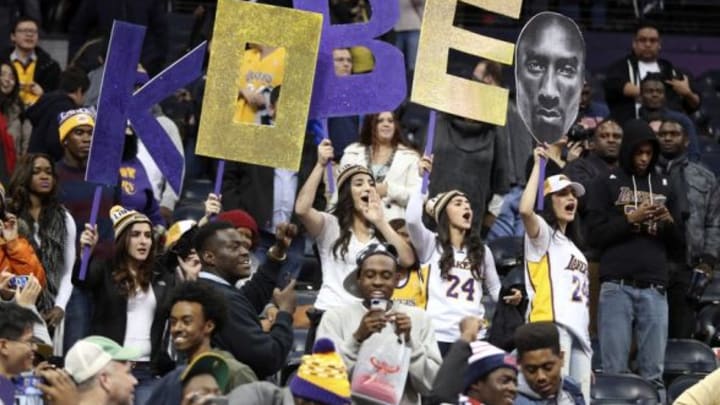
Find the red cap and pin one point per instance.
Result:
(241, 219)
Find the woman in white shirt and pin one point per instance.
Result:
(459, 264)
(556, 277)
(129, 295)
(356, 221)
(391, 160)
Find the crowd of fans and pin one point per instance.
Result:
(188, 306)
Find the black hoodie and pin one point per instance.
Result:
(631, 251)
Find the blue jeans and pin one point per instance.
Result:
(407, 42)
(623, 307)
(78, 313)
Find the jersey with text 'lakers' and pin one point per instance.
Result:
(451, 299)
(557, 283)
(411, 290)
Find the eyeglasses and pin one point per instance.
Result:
(32, 345)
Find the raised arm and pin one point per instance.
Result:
(422, 238)
(529, 195)
(309, 216)
(374, 214)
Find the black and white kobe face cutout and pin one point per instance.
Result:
(549, 75)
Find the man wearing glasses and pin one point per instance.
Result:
(16, 346)
(37, 72)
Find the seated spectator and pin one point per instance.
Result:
(541, 363)
(246, 225)
(136, 190)
(622, 86)
(391, 160)
(698, 189)
(322, 379)
(653, 107)
(16, 346)
(224, 253)
(45, 114)
(129, 298)
(197, 314)
(204, 379)
(33, 196)
(38, 73)
(356, 221)
(352, 324)
(16, 254)
(483, 372)
(102, 370)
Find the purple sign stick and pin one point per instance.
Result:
(429, 141)
(329, 167)
(541, 189)
(335, 96)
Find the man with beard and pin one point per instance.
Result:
(225, 256)
(702, 224)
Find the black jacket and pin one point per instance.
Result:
(242, 335)
(251, 187)
(43, 115)
(47, 71)
(632, 251)
(109, 317)
(622, 108)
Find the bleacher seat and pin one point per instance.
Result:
(196, 190)
(620, 389)
(680, 384)
(707, 326)
(685, 356)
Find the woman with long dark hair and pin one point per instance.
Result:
(33, 197)
(11, 107)
(556, 277)
(459, 264)
(129, 295)
(356, 221)
(391, 160)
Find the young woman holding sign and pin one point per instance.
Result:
(556, 277)
(356, 221)
(459, 265)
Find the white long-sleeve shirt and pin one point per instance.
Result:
(449, 299)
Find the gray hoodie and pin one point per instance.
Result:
(570, 394)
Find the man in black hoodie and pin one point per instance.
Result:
(44, 114)
(630, 222)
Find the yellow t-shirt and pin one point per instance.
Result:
(411, 291)
(258, 73)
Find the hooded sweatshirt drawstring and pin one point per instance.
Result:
(635, 197)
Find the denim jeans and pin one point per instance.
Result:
(623, 307)
(78, 313)
(576, 362)
(407, 42)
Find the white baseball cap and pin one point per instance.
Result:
(90, 355)
(555, 183)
